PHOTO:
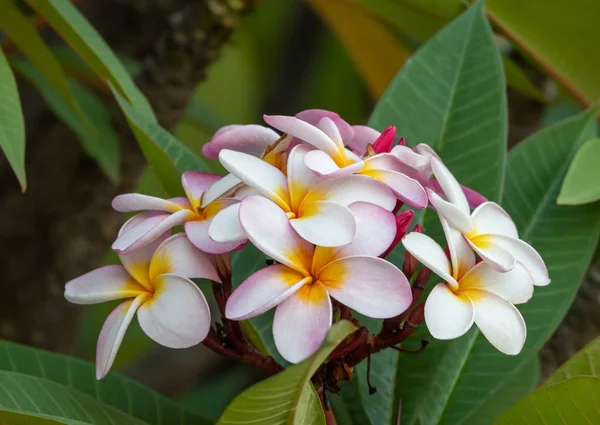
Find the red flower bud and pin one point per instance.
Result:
(402, 141)
(402, 223)
(410, 263)
(384, 142)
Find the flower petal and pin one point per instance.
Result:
(149, 230)
(407, 189)
(112, 334)
(269, 229)
(256, 173)
(103, 284)
(515, 286)
(346, 191)
(457, 218)
(219, 188)
(430, 254)
(474, 198)
(138, 202)
(301, 322)
(177, 315)
(461, 254)
(226, 227)
(499, 321)
(251, 139)
(197, 233)
(313, 116)
(300, 178)
(492, 252)
(490, 217)
(527, 256)
(446, 315)
(303, 131)
(328, 127)
(363, 136)
(426, 150)
(411, 158)
(322, 164)
(325, 223)
(195, 183)
(449, 185)
(369, 285)
(178, 256)
(262, 291)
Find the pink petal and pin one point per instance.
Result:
(149, 230)
(250, 139)
(303, 131)
(325, 223)
(103, 284)
(301, 322)
(112, 334)
(177, 315)
(138, 202)
(407, 189)
(265, 178)
(178, 256)
(225, 129)
(448, 316)
(300, 178)
(489, 217)
(328, 127)
(269, 229)
(515, 286)
(346, 191)
(198, 234)
(455, 216)
(449, 185)
(430, 254)
(363, 136)
(195, 183)
(313, 116)
(262, 291)
(369, 285)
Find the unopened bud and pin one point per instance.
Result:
(410, 263)
(384, 142)
(223, 264)
(402, 141)
(402, 223)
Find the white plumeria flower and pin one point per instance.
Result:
(301, 285)
(195, 212)
(472, 293)
(333, 159)
(317, 208)
(171, 309)
(489, 230)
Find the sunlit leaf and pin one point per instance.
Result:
(43, 375)
(377, 54)
(586, 362)
(561, 36)
(12, 127)
(574, 401)
(288, 397)
(582, 182)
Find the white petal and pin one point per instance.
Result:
(322, 164)
(450, 185)
(492, 252)
(103, 284)
(515, 286)
(411, 158)
(269, 229)
(177, 315)
(303, 131)
(301, 322)
(313, 116)
(112, 334)
(178, 256)
(489, 217)
(461, 254)
(406, 188)
(426, 150)
(346, 191)
(527, 256)
(138, 202)
(325, 223)
(262, 291)
(500, 322)
(197, 233)
(430, 254)
(219, 188)
(300, 178)
(256, 173)
(446, 315)
(328, 127)
(226, 227)
(372, 286)
(457, 218)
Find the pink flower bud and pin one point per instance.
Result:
(384, 142)
(403, 221)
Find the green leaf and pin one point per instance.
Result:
(74, 28)
(99, 139)
(585, 363)
(561, 36)
(12, 127)
(288, 397)
(76, 379)
(166, 155)
(581, 182)
(573, 401)
(76, 67)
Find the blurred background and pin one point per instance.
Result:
(208, 63)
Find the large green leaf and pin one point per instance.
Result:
(12, 127)
(569, 54)
(77, 378)
(574, 401)
(74, 28)
(581, 182)
(288, 397)
(585, 363)
(99, 140)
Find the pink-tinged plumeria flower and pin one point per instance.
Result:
(195, 212)
(489, 230)
(472, 293)
(332, 159)
(302, 284)
(251, 139)
(317, 208)
(170, 308)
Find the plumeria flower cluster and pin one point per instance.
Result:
(322, 200)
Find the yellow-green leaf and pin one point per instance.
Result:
(586, 362)
(582, 182)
